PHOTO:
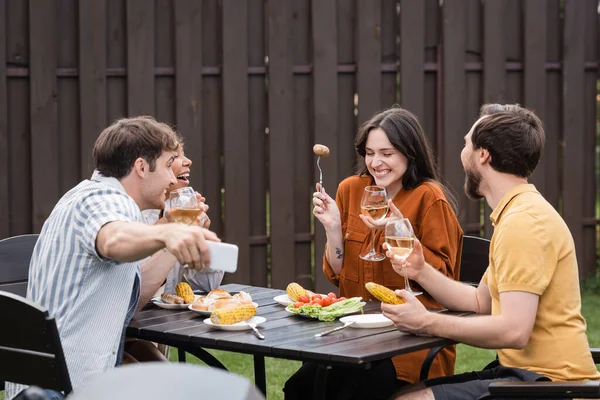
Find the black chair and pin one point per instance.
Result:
(30, 347)
(15, 255)
(166, 381)
(475, 258)
(546, 390)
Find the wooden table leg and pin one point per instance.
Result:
(259, 374)
(320, 390)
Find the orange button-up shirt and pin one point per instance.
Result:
(435, 225)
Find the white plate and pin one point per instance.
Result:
(207, 313)
(240, 326)
(162, 304)
(367, 321)
(283, 299)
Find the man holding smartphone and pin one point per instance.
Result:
(85, 266)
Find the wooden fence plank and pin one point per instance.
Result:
(325, 105)
(235, 132)
(303, 136)
(92, 78)
(212, 144)
(553, 121)
(573, 120)
(43, 109)
(347, 98)
(454, 121)
(475, 52)
(281, 143)
(258, 143)
(412, 56)
(432, 113)
(390, 52)
(4, 134)
(116, 57)
(188, 85)
(140, 57)
(535, 74)
(588, 248)
(164, 56)
(368, 60)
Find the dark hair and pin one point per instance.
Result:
(128, 139)
(514, 136)
(406, 134)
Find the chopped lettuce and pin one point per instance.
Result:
(330, 313)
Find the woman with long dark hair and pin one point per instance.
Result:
(394, 154)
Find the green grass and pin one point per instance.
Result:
(468, 358)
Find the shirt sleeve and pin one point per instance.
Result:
(441, 237)
(524, 258)
(98, 209)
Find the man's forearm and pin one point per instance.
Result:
(491, 332)
(449, 293)
(129, 241)
(154, 273)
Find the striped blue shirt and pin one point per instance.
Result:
(90, 297)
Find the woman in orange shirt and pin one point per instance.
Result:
(394, 154)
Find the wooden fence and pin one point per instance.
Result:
(253, 84)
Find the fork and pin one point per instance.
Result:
(256, 332)
(339, 328)
(320, 174)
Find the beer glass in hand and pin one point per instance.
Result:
(183, 206)
(400, 240)
(374, 204)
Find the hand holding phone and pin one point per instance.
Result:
(223, 256)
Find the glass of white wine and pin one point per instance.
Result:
(400, 239)
(374, 204)
(183, 206)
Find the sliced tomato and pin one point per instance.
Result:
(298, 304)
(326, 301)
(332, 295)
(316, 296)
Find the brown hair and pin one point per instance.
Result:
(514, 136)
(128, 139)
(406, 134)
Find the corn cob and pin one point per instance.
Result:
(229, 316)
(294, 291)
(184, 291)
(384, 294)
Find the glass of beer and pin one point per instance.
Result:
(183, 206)
(400, 240)
(374, 204)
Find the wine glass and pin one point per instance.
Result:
(400, 239)
(183, 206)
(374, 204)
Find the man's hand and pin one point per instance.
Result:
(372, 224)
(415, 262)
(410, 317)
(188, 244)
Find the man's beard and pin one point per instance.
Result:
(472, 182)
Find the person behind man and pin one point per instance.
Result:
(84, 267)
(529, 295)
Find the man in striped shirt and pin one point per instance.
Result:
(84, 267)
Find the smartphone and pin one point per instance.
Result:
(223, 256)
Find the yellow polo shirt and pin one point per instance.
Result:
(532, 250)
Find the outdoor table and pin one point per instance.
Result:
(287, 336)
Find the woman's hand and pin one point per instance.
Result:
(415, 262)
(372, 224)
(203, 220)
(326, 209)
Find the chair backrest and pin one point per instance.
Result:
(474, 260)
(163, 380)
(30, 347)
(15, 255)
